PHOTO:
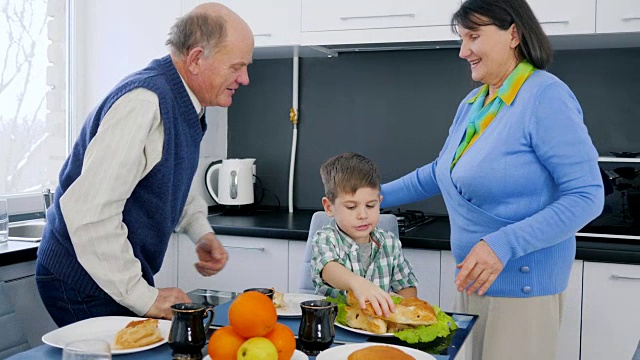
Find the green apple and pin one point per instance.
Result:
(257, 348)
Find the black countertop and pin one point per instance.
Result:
(295, 226)
(433, 235)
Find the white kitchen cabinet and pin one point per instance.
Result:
(296, 257)
(426, 267)
(21, 287)
(370, 21)
(336, 15)
(274, 23)
(569, 340)
(611, 311)
(253, 262)
(613, 16)
(168, 274)
(566, 16)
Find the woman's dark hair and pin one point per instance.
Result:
(534, 45)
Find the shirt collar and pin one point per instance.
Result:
(196, 104)
(511, 85)
(373, 236)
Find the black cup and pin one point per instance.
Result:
(267, 291)
(188, 333)
(316, 331)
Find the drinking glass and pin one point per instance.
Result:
(4, 221)
(91, 349)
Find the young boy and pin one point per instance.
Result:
(351, 253)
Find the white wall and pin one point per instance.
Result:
(116, 37)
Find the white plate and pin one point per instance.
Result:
(292, 304)
(297, 355)
(342, 352)
(364, 332)
(104, 328)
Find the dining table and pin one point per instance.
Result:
(448, 351)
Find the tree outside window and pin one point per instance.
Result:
(33, 119)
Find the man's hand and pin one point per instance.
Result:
(161, 308)
(380, 300)
(211, 254)
(480, 269)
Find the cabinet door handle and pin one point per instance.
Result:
(622, 277)
(243, 247)
(262, 35)
(347, 18)
(631, 18)
(566, 22)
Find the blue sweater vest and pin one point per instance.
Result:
(155, 206)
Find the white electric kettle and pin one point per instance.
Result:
(234, 185)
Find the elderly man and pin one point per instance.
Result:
(125, 186)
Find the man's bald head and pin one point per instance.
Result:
(208, 26)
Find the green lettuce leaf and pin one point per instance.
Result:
(341, 301)
(428, 333)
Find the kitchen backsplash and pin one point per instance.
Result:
(396, 108)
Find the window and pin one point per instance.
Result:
(33, 94)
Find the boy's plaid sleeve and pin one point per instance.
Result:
(402, 276)
(324, 251)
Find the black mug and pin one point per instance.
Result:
(188, 334)
(267, 291)
(316, 331)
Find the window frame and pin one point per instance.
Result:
(27, 203)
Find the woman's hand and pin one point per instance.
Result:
(380, 300)
(480, 269)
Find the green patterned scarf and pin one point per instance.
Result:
(481, 115)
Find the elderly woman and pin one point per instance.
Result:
(519, 176)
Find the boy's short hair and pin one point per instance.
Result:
(348, 172)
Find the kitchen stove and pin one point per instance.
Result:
(409, 219)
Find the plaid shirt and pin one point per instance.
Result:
(389, 269)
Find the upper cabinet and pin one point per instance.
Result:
(285, 23)
(274, 23)
(336, 15)
(368, 21)
(618, 16)
(566, 16)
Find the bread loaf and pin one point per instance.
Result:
(380, 352)
(137, 334)
(410, 311)
(278, 300)
(356, 319)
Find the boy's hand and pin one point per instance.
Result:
(380, 300)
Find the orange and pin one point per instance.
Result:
(252, 314)
(224, 344)
(284, 340)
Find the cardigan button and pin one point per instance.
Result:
(526, 289)
(524, 269)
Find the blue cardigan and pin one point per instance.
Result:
(526, 186)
